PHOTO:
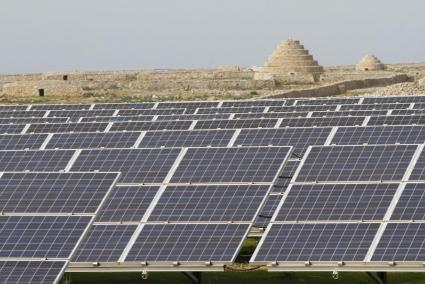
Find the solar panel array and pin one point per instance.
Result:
(178, 184)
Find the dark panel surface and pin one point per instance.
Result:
(93, 140)
(34, 272)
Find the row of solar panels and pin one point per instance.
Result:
(223, 104)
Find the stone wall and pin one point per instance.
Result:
(344, 86)
(32, 89)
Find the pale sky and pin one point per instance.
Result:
(47, 35)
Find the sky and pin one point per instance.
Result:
(55, 35)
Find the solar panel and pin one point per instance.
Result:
(104, 243)
(420, 105)
(11, 128)
(151, 126)
(127, 203)
(393, 100)
(285, 176)
(322, 121)
(33, 160)
(299, 138)
(397, 120)
(316, 242)
(209, 203)
(253, 103)
(407, 111)
(34, 272)
(74, 115)
(127, 112)
(224, 165)
(321, 101)
(22, 113)
(379, 135)
(24, 120)
(411, 204)
(336, 202)
(379, 106)
(234, 124)
(124, 106)
(356, 163)
(193, 138)
(93, 140)
(66, 127)
(188, 242)
(12, 107)
(61, 107)
(348, 113)
(230, 110)
(267, 211)
(40, 236)
(302, 108)
(418, 172)
(54, 192)
(269, 115)
(188, 105)
(117, 118)
(401, 242)
(21, 141)
(135, 165)
(193, 117)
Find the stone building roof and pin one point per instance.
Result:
(369, 63)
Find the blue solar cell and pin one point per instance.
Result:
(34, 272)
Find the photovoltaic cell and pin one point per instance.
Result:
(269, 115)
(230, 110)
(267, 211)
(418, 172)
(11, 128)
(393, 100)
(66, 127)
(135, 165)
(127, 204)
(209, 203)
(33, 160)
(127, 112)
(299, 138)
(317, 242)
(302, 108)
(379, 106)
(117, 118)
(188, 242)
(397, 120)
(356, 163)
(233, 124)
(34, 272)
(151, 125)
(193, 117)
(21, 141)
(193, 138)
(349, 113)
(104, 243)
(25, 120)
(285, 176)
(401, 242)
(224, 165)
(124, 106)
(40, 236)
(189, 105)
(61, 107)
(76, 114)
(337, 202)
(379, 135)
(253, 103)
(12, 107)
(408, 112)
(54, 192)
(327, 102)
(322, 121)
(411, 204)
(93, 140)
(22, 113)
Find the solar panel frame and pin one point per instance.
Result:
(115, 106)
(397, 120)
(35, 272)
(171, 111)
(236, 124)
(22, 113)
(12, 128)
(22, 141)
(151, 125)
(269, 115)
(26, 120)
(380, 106)
(67, 127)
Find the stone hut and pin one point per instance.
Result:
(41, 88)
(370, 63)
(290, 62)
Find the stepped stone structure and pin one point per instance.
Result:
(290, 62)
(370, 63)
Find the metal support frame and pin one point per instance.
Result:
(195, 277)
(378, 277)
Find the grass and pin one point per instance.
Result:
(257, 277)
